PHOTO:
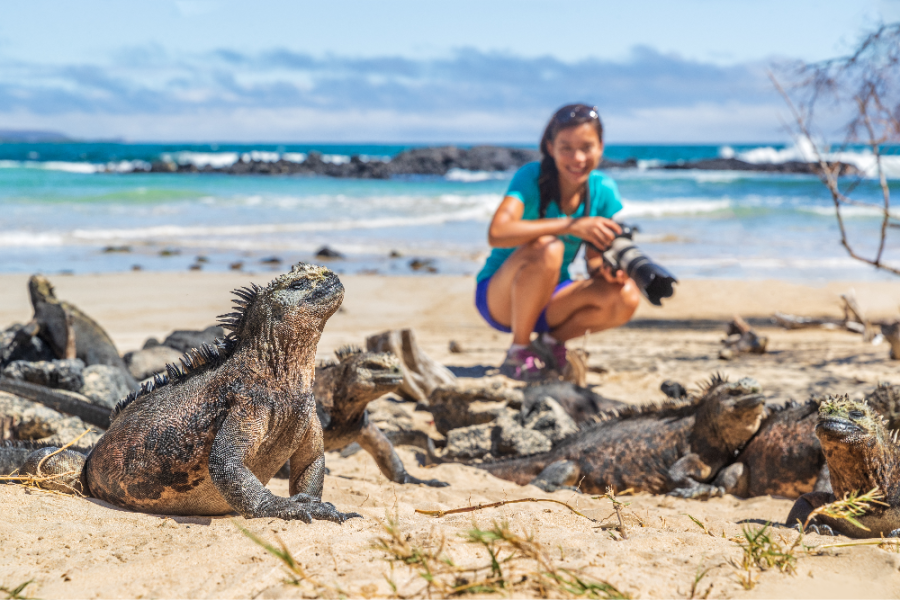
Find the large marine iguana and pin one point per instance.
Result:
(671, 448)
(343, 390)
(784, 458)
(206, 438)
(862, 454)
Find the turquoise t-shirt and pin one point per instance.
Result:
(605, 202)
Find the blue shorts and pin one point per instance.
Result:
(481, 304)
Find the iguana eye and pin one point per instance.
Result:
(299, 284)
(856, 414)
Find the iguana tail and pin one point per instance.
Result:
(50, 470)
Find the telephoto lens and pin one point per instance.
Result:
(654, 281)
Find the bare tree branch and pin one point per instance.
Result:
(865, 84)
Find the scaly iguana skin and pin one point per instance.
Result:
(70, 332)
(784, 458)
(862, 454)
(885, 400)
(343, 390)
(673, 448)
(207, 438)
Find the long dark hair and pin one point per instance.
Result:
(571, 115)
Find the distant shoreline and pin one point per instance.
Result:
(439, 160)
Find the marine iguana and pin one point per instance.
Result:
(343, 390)
(784, 458)
(885, 400)
(69, 331)
(671, 448)
(861, 453)
(206, 438)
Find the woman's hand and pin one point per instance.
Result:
(598, 269)
(598, 231)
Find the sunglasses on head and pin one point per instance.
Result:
(581, 111)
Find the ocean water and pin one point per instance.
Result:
(78, 208)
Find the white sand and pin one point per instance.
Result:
(73, 547)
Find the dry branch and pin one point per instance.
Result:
(466, 509)
(421, 374)
(866, 84)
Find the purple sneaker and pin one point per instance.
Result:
(553, 354)
(524, 364)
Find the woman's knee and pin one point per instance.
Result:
(547, 248)
(628, 300)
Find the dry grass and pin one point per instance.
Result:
(18, 592)
(35, 481)
(849, 507)
(761, 551)
(517, 565)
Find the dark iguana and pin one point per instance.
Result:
(70, 332)
(784, 458)
(885, 400)
(672, 448)
(862, 454)
(206, 438)
(343, 390)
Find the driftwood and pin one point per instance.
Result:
(577, 367)
(63, 401)
(421, 374)
(854, 314)
(741, 338)
(854, 321)
(796, 322)
(891, 333)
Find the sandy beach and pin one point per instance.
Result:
(74, 547)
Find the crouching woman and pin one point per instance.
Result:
(549, 210)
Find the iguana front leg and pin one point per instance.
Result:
(247, 495)
(376, 443)
(685, 477)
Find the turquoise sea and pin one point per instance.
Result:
(75, 207)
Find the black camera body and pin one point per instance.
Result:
(654, 281)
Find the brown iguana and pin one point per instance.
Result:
(784, 458)
(206, 438)
(671, 448)
(862, 454)
(343, 390)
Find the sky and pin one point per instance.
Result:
(429, 71)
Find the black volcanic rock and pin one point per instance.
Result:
(439, 160)
(734, 164)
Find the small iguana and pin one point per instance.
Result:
(343, 390)
(206, 438)
(675, 448)
(862, 454)
(70, 332)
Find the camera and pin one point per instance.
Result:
(654, 281)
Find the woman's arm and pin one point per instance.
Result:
(508, 230)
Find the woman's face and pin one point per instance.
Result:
(577, 151)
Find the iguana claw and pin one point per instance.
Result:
(302, 507)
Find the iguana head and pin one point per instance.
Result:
(848, 422)
(859, 451)
(301, 300)
(731, 413)
(40, 289)
(355, 379)
(370, 375)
